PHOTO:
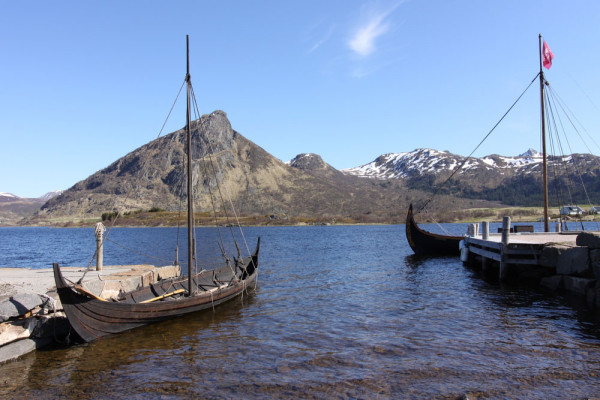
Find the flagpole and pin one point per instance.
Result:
(544, 160)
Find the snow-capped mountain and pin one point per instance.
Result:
(13, 208)
(4, 195)
(428, 161)
(405, 165)
(513, 180)
(51, 194)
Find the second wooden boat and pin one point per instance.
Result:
(426, 243)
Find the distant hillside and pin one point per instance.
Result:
(262, 186)
(515, 181)
(258, 183)
(14, 208)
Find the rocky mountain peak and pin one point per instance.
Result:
(308, 162)
(531, 153)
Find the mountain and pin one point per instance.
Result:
(262, 186)
(422, 162)
(509, 180)
(50, 195)
(14, 208)
(257, 183)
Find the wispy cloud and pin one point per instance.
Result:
(322, 39)
(374, 25)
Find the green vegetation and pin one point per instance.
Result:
(109, 216)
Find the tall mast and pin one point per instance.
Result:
(544, 161)
(190, 193)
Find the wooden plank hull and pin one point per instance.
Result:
(426, 243)
(93, 319)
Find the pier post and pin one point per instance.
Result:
(505, 239)
(473, 229)
(485, 235)
(485, 230)
(99, 231)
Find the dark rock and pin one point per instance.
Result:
(551, 253)
(553, 283)
(574, 261)
(595, 262)
(578, 285)
(589, 239)
(19, 348)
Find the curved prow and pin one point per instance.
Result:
(251, 262)
(427, 243)
(59, 280)
(252, 266)
(410, 222)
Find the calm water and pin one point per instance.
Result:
(340, 312)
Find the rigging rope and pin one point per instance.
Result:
(475, 149)
(571, 117)
(552, 100)
(215, 172)
(129, 192)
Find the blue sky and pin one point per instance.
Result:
(85, 82)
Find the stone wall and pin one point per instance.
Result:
(576, 268)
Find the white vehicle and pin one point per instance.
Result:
(595, 210)
(571, 211)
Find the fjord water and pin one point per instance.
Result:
(339, 312)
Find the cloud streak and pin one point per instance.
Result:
(362, 41)
(322, 40)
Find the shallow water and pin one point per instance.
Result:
(340, 312)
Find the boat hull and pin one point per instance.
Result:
(93, 318)
(426, 243)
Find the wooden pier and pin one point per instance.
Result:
(567, 261)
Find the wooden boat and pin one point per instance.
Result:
(427, 243)
(93, 317)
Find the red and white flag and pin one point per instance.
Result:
(548, 56)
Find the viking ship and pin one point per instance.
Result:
(426, 243)
(93, 317)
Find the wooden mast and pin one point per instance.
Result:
(190, 192)
(544, 160)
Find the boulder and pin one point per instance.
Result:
(16, 349)
(16, 330)
(169, 271)
(20, 304)
(595, 262)
(589, 239)
(553, 283)
(551, 253)
(574, 261)
(578, 285)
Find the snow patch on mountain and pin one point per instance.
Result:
(429, 161)
(45, 197)
(51, 195)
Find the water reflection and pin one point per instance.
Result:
(340, 312)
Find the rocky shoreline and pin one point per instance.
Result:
(31, 315)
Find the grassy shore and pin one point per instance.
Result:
(153, 218)
(517, 214)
